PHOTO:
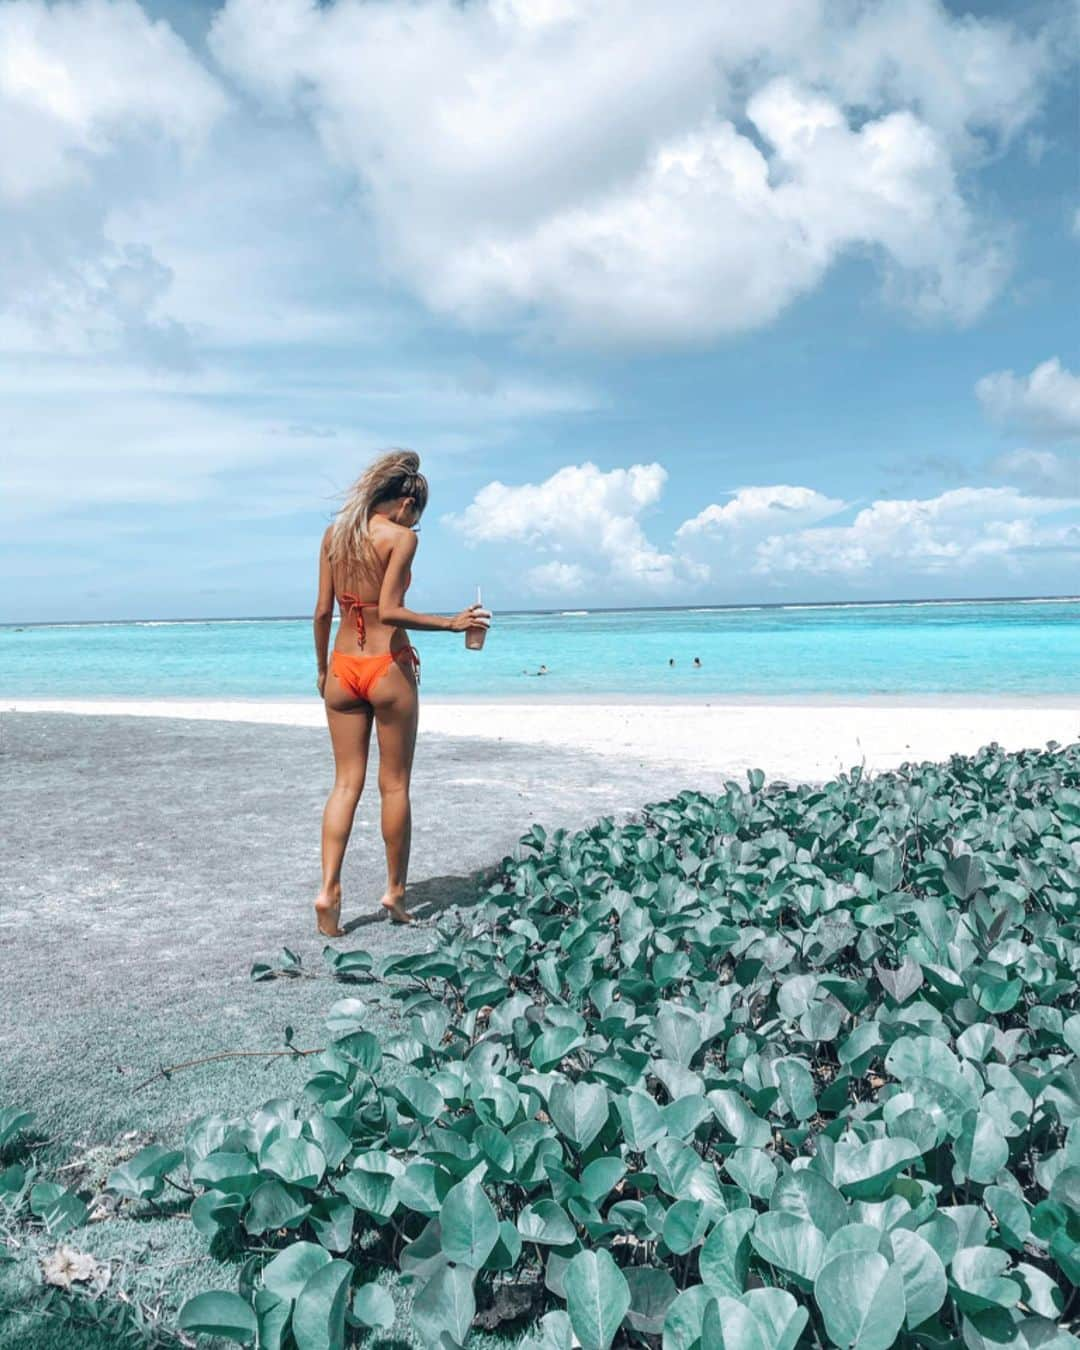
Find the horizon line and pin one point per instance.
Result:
(595, 609)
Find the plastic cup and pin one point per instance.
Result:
(474, 637)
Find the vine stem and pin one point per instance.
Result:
(168, 1071)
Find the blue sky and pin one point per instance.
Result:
(768, 303)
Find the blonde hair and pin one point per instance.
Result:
(394, 474)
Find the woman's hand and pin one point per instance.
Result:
(476, 616)
(320, 683)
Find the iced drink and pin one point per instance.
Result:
(474, 637)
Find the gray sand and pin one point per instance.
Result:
(147, 863)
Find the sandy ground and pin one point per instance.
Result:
(698, 743)
(145, 863)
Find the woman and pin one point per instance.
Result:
(365, 563)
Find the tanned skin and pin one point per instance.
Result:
(392, 710)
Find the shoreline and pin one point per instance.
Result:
(135, 706)
(698, 743)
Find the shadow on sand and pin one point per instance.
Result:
(428, 899)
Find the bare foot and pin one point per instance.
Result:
(328, 911)
(395, 908)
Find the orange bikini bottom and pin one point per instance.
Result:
(360, 674)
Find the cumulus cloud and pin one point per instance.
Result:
(934, 535)
(1045, 403)
(96, 100)
(583, 511)
(765, 509)
(1043, 472)
(639, 206)
(78, 80)
(586, 526)
(557, 578)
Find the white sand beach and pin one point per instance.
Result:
(701, 743)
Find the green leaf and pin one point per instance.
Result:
(318, 1320)
(219, 1313)
(981, 1149)
(295, 1161)
(732, 1324)
(234, 1173)
(600, 1178)
(977, 1279)
(369, 1184)
(598, 1298)
(808, 1195)
(579, 1111)
(143, 1176)
(330, 1137)
(796, 1085)
(470, 1226)
(964, 875)
(13, 1121)
(864, 1171)
(273, 1315)
(274, 1205)
(888, 869)
(753, 1171)
(332, 1219)
(547, 1223)
(783, 1319)
(678, 1034)
(550, 1048)
(422, 1099)
(641, 1120)
(725, 1258)
(214, 1212)
(372, 1306)
(739, 1120)
(923, 1275)
(445, 1304)
(652, 1292)
(292, 1267)
(861, 1300)
(682, 1325)
(685, 1225)
(791, 1243)
(57, 1208)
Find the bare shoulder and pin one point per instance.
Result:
(326, 538)
(391, 538)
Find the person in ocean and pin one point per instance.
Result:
(371, 677)
(671, 660)
(697, 662)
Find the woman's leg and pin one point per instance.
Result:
(350, 734)
(396, 708)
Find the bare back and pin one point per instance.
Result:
(360, 588)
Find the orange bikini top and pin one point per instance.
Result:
(356, 606)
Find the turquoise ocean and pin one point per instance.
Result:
(1008, 648)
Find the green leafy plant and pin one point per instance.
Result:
(782, 1067)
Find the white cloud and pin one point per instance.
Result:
(78, 80)
(557, 578)
(633, 208)
(1045, 403)
(761, 509)
(1042, 472)
(935, 535)
(584, 524)
(580, 510)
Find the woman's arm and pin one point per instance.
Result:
(392, 608)
(324, 611)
